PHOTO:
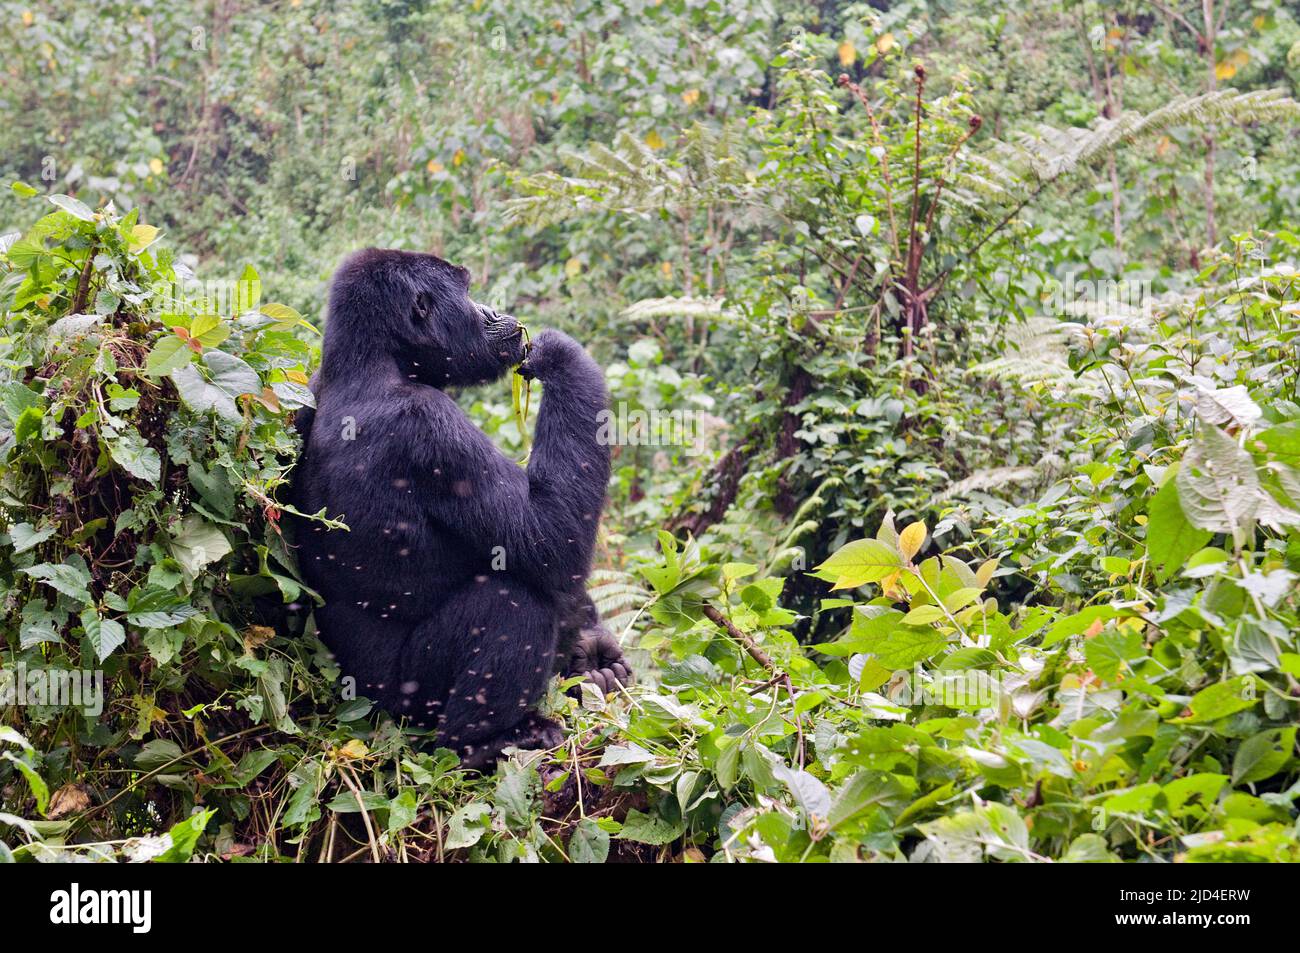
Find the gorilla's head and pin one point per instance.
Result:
(415, 309)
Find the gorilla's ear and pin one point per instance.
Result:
(423, 311)
(425, 320)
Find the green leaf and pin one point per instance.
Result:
(402, 810)
(74, 207)
(860, 562)
(589, 843)
(1089, 849)
(468, 825)
(1077, 624)
(185, 837)
(1171, 537)
(810, 795)
(248, 290)
(964, 837)
(1283, 443)
(29, 424)
(197, 543)
(157, 609)
(1200, 788)
(141, 237)
(68, 578)
(35, 783)
(104, 635)
(1263, 755)
(515, 791)
(25, 536)
(230, 378)
(209, 330)
(1112, 650)
(1221, 700)
(650, 829)
(284, 317)
(924, 615)
(136, 457)
(1218, 488)
(16, 398)
(157, 754)
(884, 636)
(906, 646)
(1136, 800)
(168, 355)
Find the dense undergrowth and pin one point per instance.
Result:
(1108, 671)
(956, 503)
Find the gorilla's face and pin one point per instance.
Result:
(453, 340)
(414, 309)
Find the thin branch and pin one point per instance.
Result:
(749, 645)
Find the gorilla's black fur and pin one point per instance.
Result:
(458, 590)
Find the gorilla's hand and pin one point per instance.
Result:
(550, 354)
(598, 656)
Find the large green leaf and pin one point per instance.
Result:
(74, 207)
(168, 355)
(860, 562)
(228, 378)
(136, 457)
(68, 578)
(1217, 484)
(104, 635)
(1263, 755)
(1221, 700)
(198, 543)
(1171, 537)
(1283, 443)
(589, 843)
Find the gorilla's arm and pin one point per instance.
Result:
(545, 518)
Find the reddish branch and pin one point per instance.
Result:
(725, 478)
(749, 645)
(83, 282)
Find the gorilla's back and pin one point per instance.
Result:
(353, 467)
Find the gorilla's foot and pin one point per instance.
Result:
(533, 732)
(598, 656)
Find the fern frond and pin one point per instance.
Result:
(1049, 153)
(629, 177)
(618, 598)
(1037, 353)
(989, 480)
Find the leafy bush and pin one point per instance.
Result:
(145, 438)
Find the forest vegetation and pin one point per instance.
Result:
(953, 349)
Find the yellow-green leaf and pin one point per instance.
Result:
(911, 540)
(860, 562)
(142, 236)
(923, 615)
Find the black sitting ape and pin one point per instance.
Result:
(459, 588)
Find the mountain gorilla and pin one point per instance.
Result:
(459, 588)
